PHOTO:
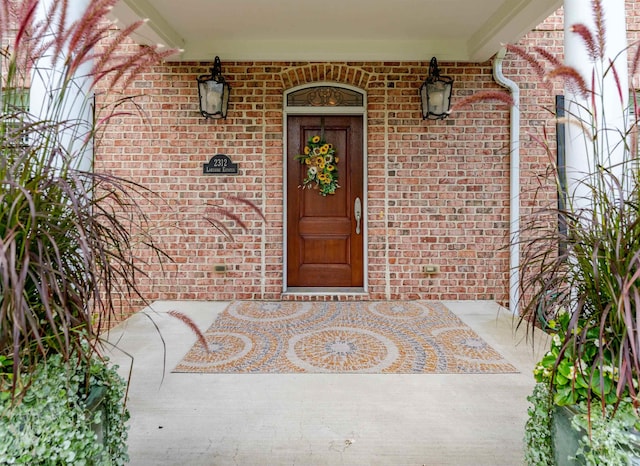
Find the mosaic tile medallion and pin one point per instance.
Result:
(342, 349)
(341, 337)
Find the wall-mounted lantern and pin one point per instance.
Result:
(213, 92)
(435, 94)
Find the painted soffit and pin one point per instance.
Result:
(334, 30)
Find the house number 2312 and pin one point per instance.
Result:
(220, 164)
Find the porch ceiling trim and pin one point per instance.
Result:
(514, 19)
(156, 30)
(353, 30)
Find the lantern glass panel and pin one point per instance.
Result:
(424, 98)
(211, 96)
(439, 93)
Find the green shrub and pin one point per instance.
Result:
(537, 433)
(607, 437)
(603, 439)
(50, 425)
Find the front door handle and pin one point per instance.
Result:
(357, 212)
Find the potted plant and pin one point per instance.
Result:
(66, 237)
(583, 276)
(580, 271)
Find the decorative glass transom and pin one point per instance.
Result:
(325, 96)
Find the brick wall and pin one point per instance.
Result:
(438, 191)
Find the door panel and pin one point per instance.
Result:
(323, 248)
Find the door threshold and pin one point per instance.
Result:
(320, 290)
(325, 294)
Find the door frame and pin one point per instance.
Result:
(315, 111)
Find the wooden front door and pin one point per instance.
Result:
(324, 238)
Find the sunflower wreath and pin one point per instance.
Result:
(322, 166)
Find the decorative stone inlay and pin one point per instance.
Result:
(342, 337)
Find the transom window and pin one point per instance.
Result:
(325, 96)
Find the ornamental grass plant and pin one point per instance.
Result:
(580, 268)
(66, 232)
(73, 241)
(580, 256)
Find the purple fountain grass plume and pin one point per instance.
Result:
(616, 78)
(249, 203)
(533, 61)
(571, 76)
(60, 36)
(84, 27)
(107, 55)
(152, 56)
(19, 30)
(143, 58)
(596, 49)
(86, 51)
(48, 34)
(88, 31)
(76, 43)
(598, 18)
(24, 21)
(484, 96)
(215, 209)
(589, 42)
(192, 326)
(548, 56)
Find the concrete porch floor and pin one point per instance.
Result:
(319, 419)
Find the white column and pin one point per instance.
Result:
(609, 115)
(69, 102)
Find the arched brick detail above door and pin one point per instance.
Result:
(321, 72)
